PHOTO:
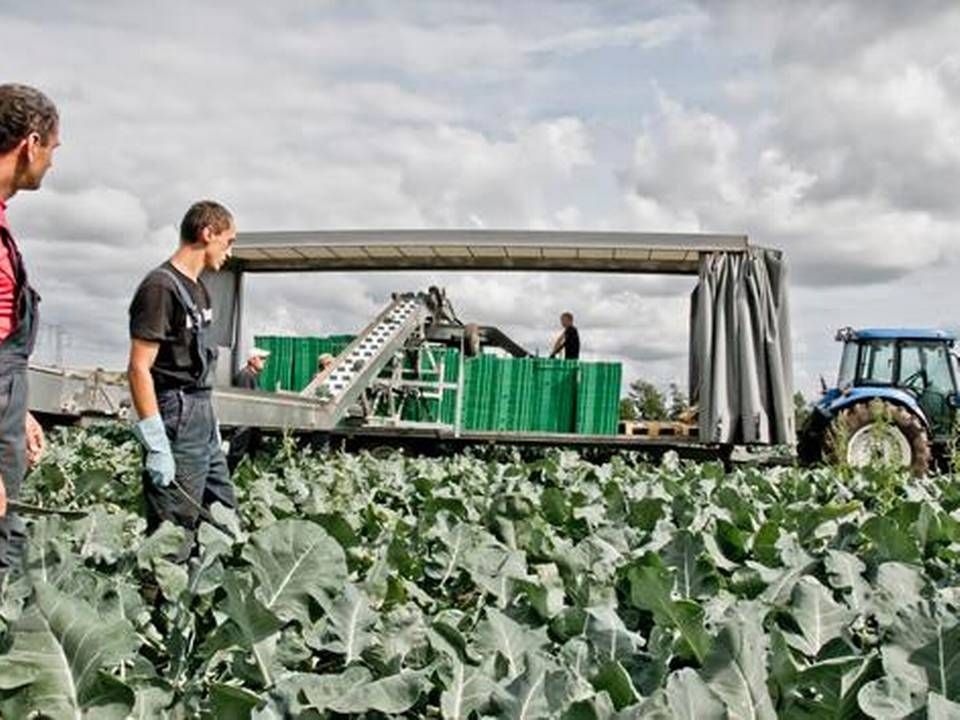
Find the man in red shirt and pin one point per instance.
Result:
(29, 134)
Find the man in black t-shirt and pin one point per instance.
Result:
(171, 370)
(569, 339)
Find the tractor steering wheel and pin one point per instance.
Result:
(910, 381)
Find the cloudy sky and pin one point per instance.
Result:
(830, 130)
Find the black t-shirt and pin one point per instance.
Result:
(571, 343)
(247, 378)
(157, 315)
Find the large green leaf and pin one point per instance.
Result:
(294, 561)
(526, 697)
(104, 535)
(490, 564)
(608, 636)
(546, 593)
(351, 619)
(615, 680)
(736, 669)
(820, 618)
(651, 585)
(939, 708)
(686, 697)
(889, 698)
(356, 691)
(499, 634)
(60, 646)
(897, 586)
(390, 695)
(314, 690)
(689, 697)
(845, 571)
(467, 689)
(695, 575)
(402, 631)
(248, 624)
(781, 581)
(229, 702)
(828, 689)
(889, 541)
(923, 654)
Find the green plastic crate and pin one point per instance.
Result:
(479, 380)
(278, 370)
(293, 360)
(598, 398)
(553, 396)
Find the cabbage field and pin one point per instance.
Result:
(487, 585)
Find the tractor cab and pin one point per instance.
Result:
(895, 400)
(916, 362)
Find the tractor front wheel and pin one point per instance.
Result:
(879, 432)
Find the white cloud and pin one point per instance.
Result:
(646, 34)
(693, 169)
(827, 128)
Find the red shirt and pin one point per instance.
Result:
(8, 281)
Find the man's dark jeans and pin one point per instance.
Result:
(202, 477)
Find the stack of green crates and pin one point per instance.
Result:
(553, 396)
(293, 360)
(451, 373)
(598, 398)
(305, 354)
(520, 394)
(478, 377)
(278, 371)
(510, 395)
(499, 394)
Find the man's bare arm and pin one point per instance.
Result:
(558, 345)
(36, 442)
(143, 353)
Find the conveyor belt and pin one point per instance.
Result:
(339, 386)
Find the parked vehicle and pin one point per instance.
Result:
(895, 401)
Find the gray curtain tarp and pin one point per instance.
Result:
(741, 374)
(222, 287)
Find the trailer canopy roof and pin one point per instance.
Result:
(627, 252)
(740, 363)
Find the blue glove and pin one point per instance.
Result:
(159, 463)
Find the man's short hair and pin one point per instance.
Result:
(25, 110)
(566, 315)
(203, 214)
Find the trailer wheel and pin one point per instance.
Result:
(878, 432)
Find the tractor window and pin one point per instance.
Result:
(913, 368)
(876, 363)
(925, 367)
(848, 365)
(938, 367)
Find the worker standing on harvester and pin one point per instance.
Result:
(171, 371)
(569, 339)
(29, 133)
(246, 440)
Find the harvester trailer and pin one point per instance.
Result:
(740, 374)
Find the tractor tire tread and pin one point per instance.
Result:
(851, 419)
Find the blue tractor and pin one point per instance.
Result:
(895, 401)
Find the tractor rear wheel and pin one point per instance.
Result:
(878, 432)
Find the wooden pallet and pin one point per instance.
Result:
(657, 428)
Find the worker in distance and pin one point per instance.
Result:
(246, 440)
(29, 135)
(568, 341)
(171, 371)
